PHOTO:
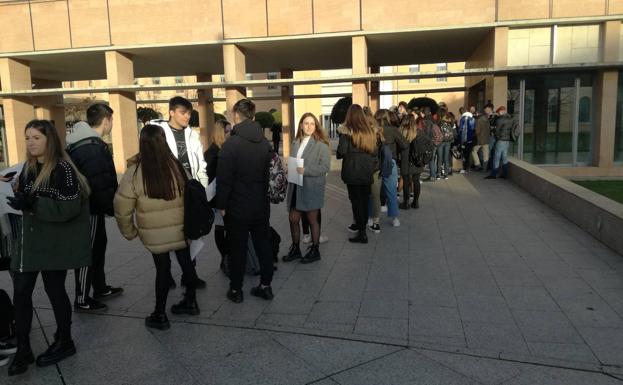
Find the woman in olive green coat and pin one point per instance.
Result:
(53, 198)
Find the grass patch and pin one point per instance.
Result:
(612, 189)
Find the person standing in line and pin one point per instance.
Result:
(93, 159)
(150, 204)
(242, 176)
(276, 131)
(467, 125)
(411, 128)
(54, 199)
(312, 146)
(482, 132)
(220, 133)
(357, 149)
(506, 131)
(185, 145)
(448, 134)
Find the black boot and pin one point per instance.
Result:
(404, 206)
(505, 171)
(415, 204)
(157, 321)
(62, 347)
(361, 237)
(312, 255)
(493, 174)
(188, 305)
(294, 253)
(21, 360)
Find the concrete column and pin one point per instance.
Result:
(500, 60)
(120, 71)
(18, 111)
(287, 115)
(50, 107)
(205, 109)
(611, 31)
(374, 90)
(235, 69)
(360, 67)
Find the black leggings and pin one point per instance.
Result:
(407, 181)
(359, 195)
(54, 283)
(163, 272)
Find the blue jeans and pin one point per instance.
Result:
(443, 158)
(389, 187)
(432, 165)
(501, 153)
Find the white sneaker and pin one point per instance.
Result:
(370, 222)
(383, 209)
(323, 239)
(307, 238)
(396, 222)
(462, 171)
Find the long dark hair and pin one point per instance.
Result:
(163, 175)
(363, 135)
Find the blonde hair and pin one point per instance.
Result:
(408, 127)
(217, 136)
(362, 133)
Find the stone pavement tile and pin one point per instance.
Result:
(514, 276)
(529, 298)
(432, 296)
(437, 342)
(591, 311)
(323, 326)
(583, 260)
(599, 279)
(311, 281)
(606, 343)
(507, 258)
(130, 296)
(540, 375)
(435, 322)
(495, 337)
(614, 298)
(279, 320)
(567, 289)
(392, 279)
(563, 351)
(334, 312)
(485, 309)
(292, 302)
(483, 370)
(546, 326)
(248, 311)
(390, 308)
(403, 367)
(383, 327)
(385, 296)
(475, 284)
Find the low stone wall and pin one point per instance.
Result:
(596, 214)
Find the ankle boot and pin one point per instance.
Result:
(21, 360)
(62, 347)
(294, 253)
(415, 204)
(505, 171)
(312, 255)
(188, 305)
(157, 320)
(493, 174)
(361, 237)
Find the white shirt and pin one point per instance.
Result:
(304, 142)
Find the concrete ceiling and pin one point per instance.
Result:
(322, 52)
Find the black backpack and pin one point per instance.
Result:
(421, 150)
(385, 161)
(198, 215)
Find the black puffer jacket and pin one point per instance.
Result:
(396, 142)
(242, 174)
(93, 159)
(357, 165)
(506, 128)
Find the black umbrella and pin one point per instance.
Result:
(423, 102)
(339, 110)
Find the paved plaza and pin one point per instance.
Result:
(482, 285)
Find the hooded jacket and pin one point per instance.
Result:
(396, 142)
(357, 165)
(506, 128)
(467, 126)
(242, 174)
(93, 159)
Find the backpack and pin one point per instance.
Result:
(421, 151)
(7, 316)
(437, 136)
(277, 181)
(447, 132)
(385, 161)
(198, 215)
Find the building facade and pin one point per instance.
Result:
(555, 63)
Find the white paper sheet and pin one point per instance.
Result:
(293, 175)
(218, 218)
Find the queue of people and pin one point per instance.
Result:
(64, 196)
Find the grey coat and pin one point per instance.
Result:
(317, 162)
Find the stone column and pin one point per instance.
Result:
(606, 85)
(50, 107)
(235, 70)
(18, 111)
(500, 60)
(360, 67)
(287, 115)
(120, 71)
(205, 109)
(374, 90)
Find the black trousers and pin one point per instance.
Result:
(359, 196)
(238, 231)
(407, 180)
(221, 240)
(467, 155)
(163, 271)
(276, 146)
(23, 287)
(93, 276)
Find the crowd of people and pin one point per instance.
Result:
(64, 194)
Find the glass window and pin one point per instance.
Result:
(179, 79)
(440, 68)
(248, 76)
(414, 69)
(553, 108)
(155, 81)
(585, 109)
(618, 133)
(272, 76)
(585, 126)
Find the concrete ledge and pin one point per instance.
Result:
(594, 213)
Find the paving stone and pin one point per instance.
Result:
(495, 337)
(391, 308)
(563, 351)
(546, 326)
(483, 308)
(606, 343)
(529, 298)
(383, 327)
(334, 312)
(435, 322)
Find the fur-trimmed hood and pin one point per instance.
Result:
(342, 129)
